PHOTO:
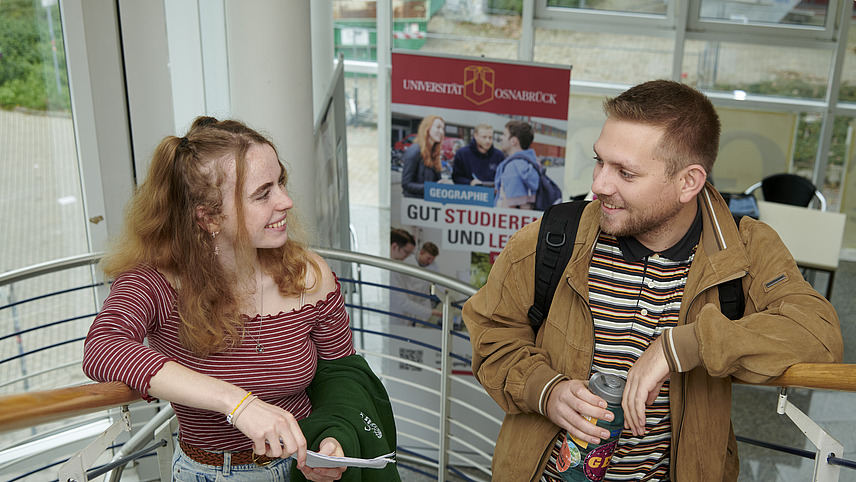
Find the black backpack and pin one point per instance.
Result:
(548, 193)
(556, 237)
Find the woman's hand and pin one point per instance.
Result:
(274, 431)
(329, 446)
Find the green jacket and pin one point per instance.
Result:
(786, 322)
(350, 404)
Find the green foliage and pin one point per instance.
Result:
(515, 6)
(479, 268)
(847, 93)
(27, 55)
(789, 86)
(808, 137)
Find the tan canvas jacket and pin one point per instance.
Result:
(786, 321)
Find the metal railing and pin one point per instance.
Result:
(472, 448)
(457, 446)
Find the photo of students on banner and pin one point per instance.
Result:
(478, 151)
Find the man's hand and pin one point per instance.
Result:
(567, 404)
(643, 384)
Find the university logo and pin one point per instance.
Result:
(478, 84)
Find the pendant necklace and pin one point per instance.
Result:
(259, 347)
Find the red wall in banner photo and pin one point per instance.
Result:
(475, 85)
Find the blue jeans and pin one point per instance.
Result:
(184, 469)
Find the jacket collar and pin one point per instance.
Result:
(634, 251)
(721, 242)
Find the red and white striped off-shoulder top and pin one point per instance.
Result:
(142, 305)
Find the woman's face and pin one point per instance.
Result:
(436, 132)
(266, 201)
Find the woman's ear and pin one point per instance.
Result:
(206, 221)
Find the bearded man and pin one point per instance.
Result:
(639, 299)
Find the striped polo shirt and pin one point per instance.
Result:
(634, 295)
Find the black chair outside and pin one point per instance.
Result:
(788, 189)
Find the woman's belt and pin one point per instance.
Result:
(243, 457)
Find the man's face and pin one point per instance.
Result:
(400, 253)
(484, 139)
(637, 197)
(426, 258)
(505, 140)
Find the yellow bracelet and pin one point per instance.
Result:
(243, 409)
(229, 417)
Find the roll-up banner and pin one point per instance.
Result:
(461, 209)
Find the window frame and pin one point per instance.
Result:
(604, 20)
(780, 32)
(620, 22)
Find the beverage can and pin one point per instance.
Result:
(582, 461)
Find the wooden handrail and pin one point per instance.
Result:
(22, 410)
(28, 409)
(822, 376)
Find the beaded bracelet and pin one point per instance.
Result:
(229, 417)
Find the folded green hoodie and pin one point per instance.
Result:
(350, 404)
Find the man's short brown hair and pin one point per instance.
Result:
(522, 131)
(689, 121)
(430, 248)
(400, 237)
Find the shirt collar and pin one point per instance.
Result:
(634, 251)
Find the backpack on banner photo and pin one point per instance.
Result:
(549, 193)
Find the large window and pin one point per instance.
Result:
(770, 70)
(605, 57)
(784, 19)
(39, 175)
(785, 12)
(42, 319)
(771, 62)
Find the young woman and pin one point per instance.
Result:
(236, 311)
(422, 161)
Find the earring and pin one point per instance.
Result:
(216, 248)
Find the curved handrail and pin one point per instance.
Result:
(822, 376)
(27, 409)
(49, 267)
(398, 266)
(352, 257)
(32, 408)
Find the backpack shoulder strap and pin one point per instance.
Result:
(556, 237)
(732, 300)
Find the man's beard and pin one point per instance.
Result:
(636, 224)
